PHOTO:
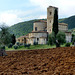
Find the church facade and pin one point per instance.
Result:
(42, 28)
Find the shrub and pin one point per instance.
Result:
(61, 37)
(21, 44)
(17, 43)
(73, 40)
(27, 45)
(51, 39)
(35, 43)
(2, 47)
(67, 45)
(10, 45)
(15, 46)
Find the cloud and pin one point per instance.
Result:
(42, 17)
(15, 16)
(37, 10)
(9, 18)
(42, 4)
(66, 7)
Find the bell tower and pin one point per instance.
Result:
(50, 18)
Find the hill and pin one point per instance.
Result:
(24, 28)
(70, 21)
(56, 61)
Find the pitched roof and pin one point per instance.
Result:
(62, 24)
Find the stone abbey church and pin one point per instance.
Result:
(42, 28)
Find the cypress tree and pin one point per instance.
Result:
(13, 39)
(55, 23)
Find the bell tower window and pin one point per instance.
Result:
(35, 28)
(50, 21)
(50, 13)
(50, 29)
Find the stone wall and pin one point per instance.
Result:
(68, 36)
(63, 27)
(41, 38)
(41, 26)
(50, 18)
(20, 39)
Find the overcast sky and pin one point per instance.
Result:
(14, 11)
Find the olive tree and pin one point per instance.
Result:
(5, 36)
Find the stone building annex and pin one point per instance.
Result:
(42, 28)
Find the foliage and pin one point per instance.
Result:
(21, 44)
(27, 45)
(55, 23)
(13, 39)
(2, 47)
(60, 20)
(67, 44)
(15, 46)
(73, 39)
(5, 36)
(32, 47)
(61, 37)
(51, 39)
(35, 43)
(24, 28)
(10, 45)
(17, 43)
(70, 21)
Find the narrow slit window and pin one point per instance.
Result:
(50, 13)
(35, 28)
(50, 21)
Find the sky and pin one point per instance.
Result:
(15, 11)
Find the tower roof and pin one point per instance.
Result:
(52, 7)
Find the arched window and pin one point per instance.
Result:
(37, 39)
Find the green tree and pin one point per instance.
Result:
(55, 23)
(73, 38)
(13, 39)
(61, 37)
(51, 39)
(5, 38)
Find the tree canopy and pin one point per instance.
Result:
(5, 38)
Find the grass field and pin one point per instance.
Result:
(33, 47)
